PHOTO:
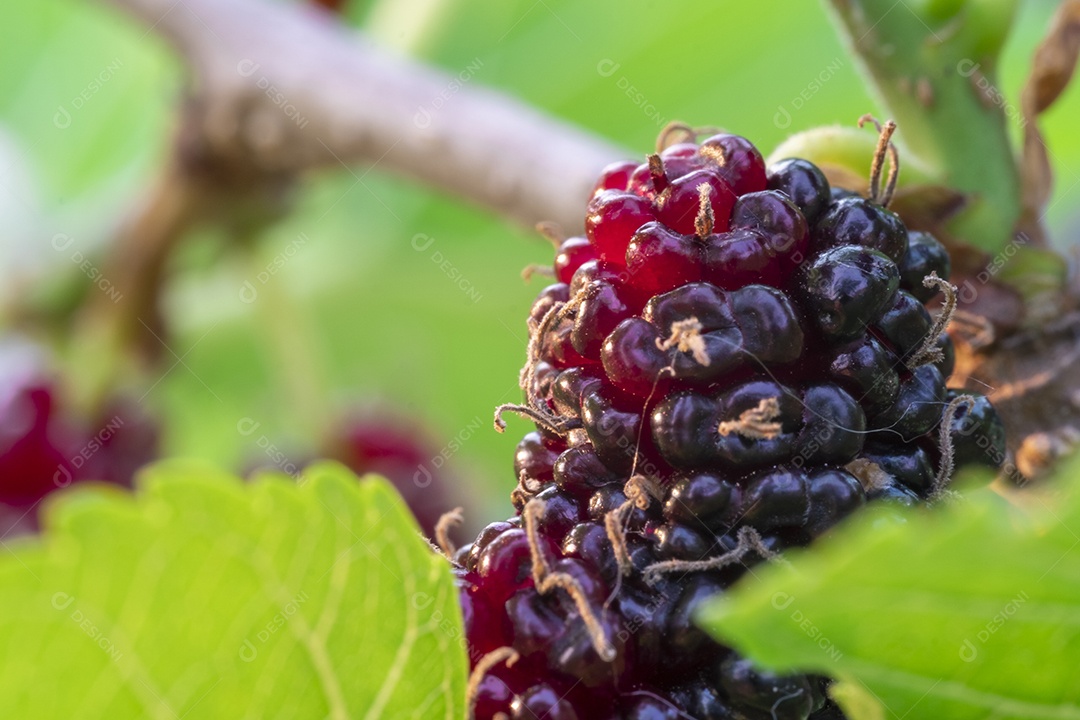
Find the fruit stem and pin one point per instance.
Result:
(931, 64)
(884, 149)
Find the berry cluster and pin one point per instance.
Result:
(734, 358)
(44, 447)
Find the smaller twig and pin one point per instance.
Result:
(656, 171)
(530, 515)
(676, 132)
(639, 490)
(536, 341)
(673, 133)
(555, 315)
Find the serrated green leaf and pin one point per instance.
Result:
(963, 613)
(206, 597)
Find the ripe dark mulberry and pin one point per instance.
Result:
(736, 359)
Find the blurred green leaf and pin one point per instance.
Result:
(89, 94)
(205, 597)
(967, 612)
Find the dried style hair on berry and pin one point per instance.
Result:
(734, 358)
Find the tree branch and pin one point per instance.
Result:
(282, 88)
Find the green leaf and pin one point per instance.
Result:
(934, 65)
(89, 93)
(967, 612)
(205, 597)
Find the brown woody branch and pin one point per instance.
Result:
(282, 88)
(279, 89)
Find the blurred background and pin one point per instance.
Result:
(353, 321)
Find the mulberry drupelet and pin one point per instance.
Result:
(731, 361)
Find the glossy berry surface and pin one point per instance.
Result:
(777, 219)
(734, 360)
(737, 161)
(615, 176)
(613, 219)
(803, 183)
(977, 432)
(844, 289)
(659, 259)
(859, 221)
(677, 206)
(924, 255)
(572, 254)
